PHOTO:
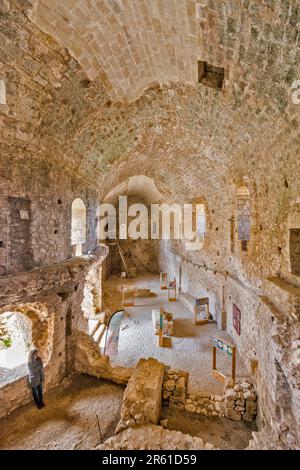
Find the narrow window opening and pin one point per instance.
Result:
(244, 245)
(211, 76)
(78, 234)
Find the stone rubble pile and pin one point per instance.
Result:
(151, 437)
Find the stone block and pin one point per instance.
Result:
(190, 408)
(240, 402)
(169, 385)
(143, 394)
(231, 394)
(233, 414)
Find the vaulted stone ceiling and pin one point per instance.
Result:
(128, 102)
(131, 44)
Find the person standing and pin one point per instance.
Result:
(36, 377)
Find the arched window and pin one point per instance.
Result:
(244, 216)
(78, 233)
(2, 92)
(15, 339)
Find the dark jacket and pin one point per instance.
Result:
(36, 372)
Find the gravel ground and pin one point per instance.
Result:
(69, 419)
(222, 433)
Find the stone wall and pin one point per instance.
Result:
(236, 403)
(15, 391)
(175, 388)
(35, 69)
(269, 331)
(241, 402)
(86, 359)
(51, 298)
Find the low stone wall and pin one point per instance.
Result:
(14, 395)
(142, 398)
(51, 298)
(18, 393)
(59, 276)
(205, 404)
(238, 403)
(175, 388)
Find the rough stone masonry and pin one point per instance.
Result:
(95, 94)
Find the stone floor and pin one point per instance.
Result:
(222, 433)
(191, 348)
(69, 419)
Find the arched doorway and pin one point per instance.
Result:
(15, 339)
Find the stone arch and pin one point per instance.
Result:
(15, 340)
(42, 326)
(78, 225)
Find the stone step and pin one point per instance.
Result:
(99, 333)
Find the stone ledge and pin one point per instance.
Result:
(23, 286)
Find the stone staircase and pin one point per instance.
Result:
(98, 329)
(131, 263)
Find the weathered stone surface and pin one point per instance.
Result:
(87, 360)
(86, 110)
(155, 438)
(143, 395)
